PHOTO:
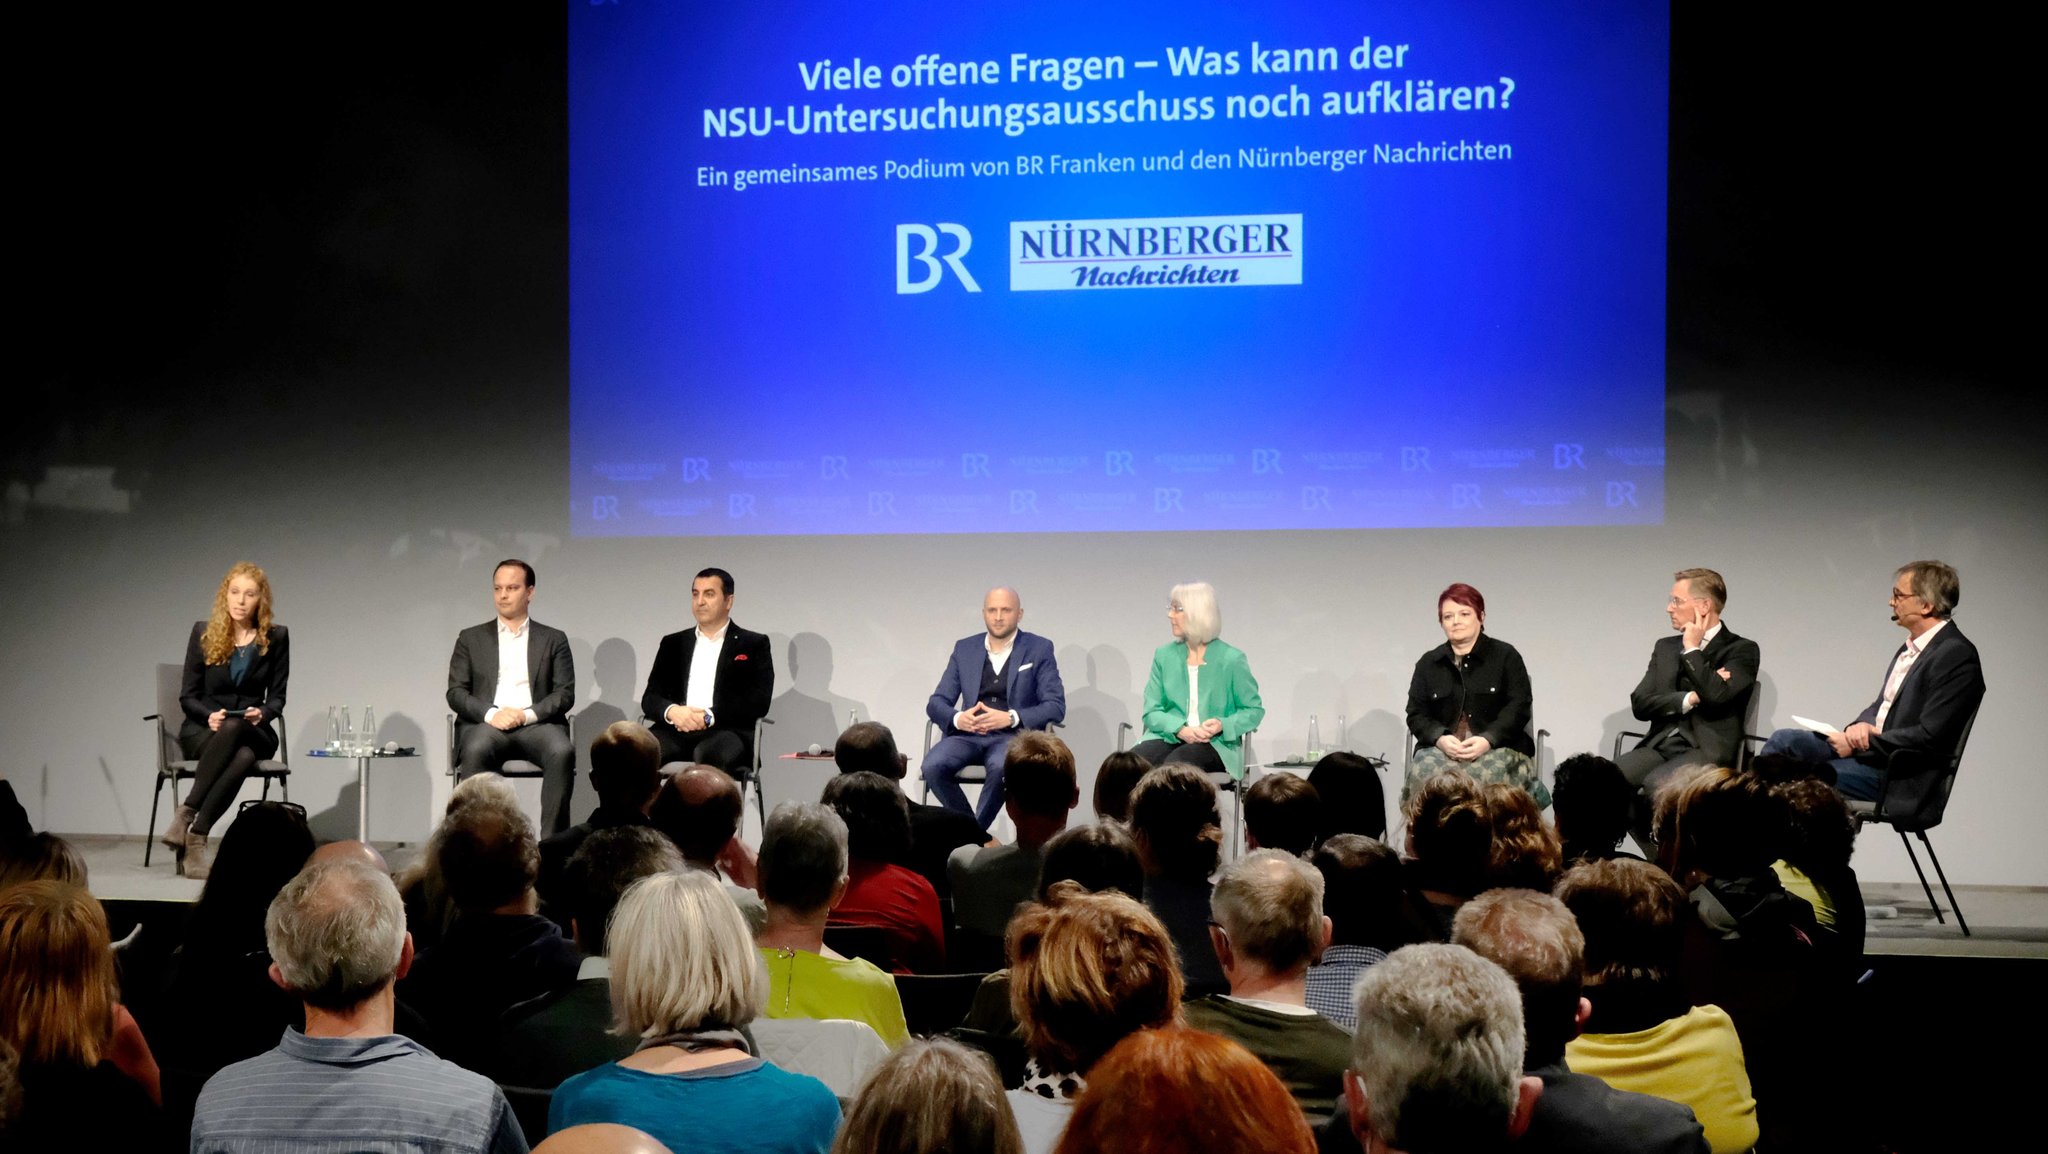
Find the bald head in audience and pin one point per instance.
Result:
(357, 851)
(600, 1138)
(703, 815)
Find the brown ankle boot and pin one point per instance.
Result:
(181, 824)
(198, 857)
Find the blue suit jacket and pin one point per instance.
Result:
(1031, 678)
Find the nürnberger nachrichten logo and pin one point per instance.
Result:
(1155, 252)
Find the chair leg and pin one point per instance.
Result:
(266, 787)
(156, 798)
(1915, 859)
(1944, 884)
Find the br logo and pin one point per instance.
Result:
(927, 254)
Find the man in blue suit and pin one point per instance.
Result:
(997, 684)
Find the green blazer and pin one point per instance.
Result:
(1229, 694)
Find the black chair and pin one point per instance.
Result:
(172, 765)
(969, 774)
(936, 1003)
(516, 767)
(749, 779)
(530, 1107)
(869, 942)
(1913, 799)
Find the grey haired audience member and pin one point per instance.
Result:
(1437, 1058)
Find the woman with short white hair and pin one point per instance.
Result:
(1201, 698)
(685, 979)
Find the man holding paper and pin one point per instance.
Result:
(1930, 692)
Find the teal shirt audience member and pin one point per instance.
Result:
(744, 1106)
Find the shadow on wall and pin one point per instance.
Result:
(608, 681)
(808, 712)
(1098, 683)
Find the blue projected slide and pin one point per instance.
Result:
(956, 268)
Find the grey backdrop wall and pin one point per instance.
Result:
(330, 338)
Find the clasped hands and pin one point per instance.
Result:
(1204, 733)
(981, 719)
(1856, 740)
(686, 718)
(218, 717)
(1471, 749)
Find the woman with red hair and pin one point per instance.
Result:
(1175, 1089)
(1469, 703)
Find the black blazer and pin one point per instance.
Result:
(1939, 693)
(740, 691)
(1492, 691)
(473, 672)
(1714, 727)
(206, 688)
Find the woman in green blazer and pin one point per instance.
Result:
(1196, 667)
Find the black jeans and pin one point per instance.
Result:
(226, 755)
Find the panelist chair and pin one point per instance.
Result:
(749, 778)
(516, 767)
(1745, 751)
(971, 774)
(1223, 782)
(1913, 799)
(172, 765)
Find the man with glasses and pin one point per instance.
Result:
(1930, 691)
(1695, 694)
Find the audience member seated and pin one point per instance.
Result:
(1593, 805)
(601, 1138)
(935, 831)
(428, 909)
(1525, 852)
(1268, 928)
(1115, 778)
(625, 770)
(1816, 867)
(888, 897)
(1450, 841)
(990, 882)
(14, 825)
(1436, 1061)
(42, 857)
(1176, 1091)
(1362, 899)
(1088, 970)
(934, 1097)
(1353, 799)
(1180, 839)
(1537, 941)
(803, 875)
(1641, 1034)
(220, 1004)
(686, 981)
(700, 810)
(500, 951)
(544, 1041)
(1283, 812)
(337, 941)
(58, 1014)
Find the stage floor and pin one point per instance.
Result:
(2005, 921)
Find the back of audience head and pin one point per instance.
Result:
(869, 747)
(336, 934)
(1176, 824)
(264, 848)
(700, 810)
(1086, 970)
(1353, 802)
(803, 858)
(1117, 776)
(601, 1138)
(1537, 941)
(1039, 785)
(1450, 832)
(485, 786)
(1592, 803)
(1361, 891)
(1437, 1058)
(625, 767)
(1283, 812)
(876, 813)
(1631, 915)
(931, 1097)
(681, 958)
(1525, 853)
(1268, 907)
(1820, 833)
(42, 857)
(1718, 823)
(351, 850)
(487, 856)
(1099, 856)
(57, 983)
(609, 861)
(1174, 1090)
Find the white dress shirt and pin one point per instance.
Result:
(1900, 667)
(704, 669)
(515, 681)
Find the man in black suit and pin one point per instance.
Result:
(1695, 693)
(1931, 690)
(511, 683)
(709, 685)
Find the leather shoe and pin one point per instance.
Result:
(181, 824)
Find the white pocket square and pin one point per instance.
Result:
(1025, 666)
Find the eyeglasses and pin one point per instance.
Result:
(1902, 594)
(253, 802)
